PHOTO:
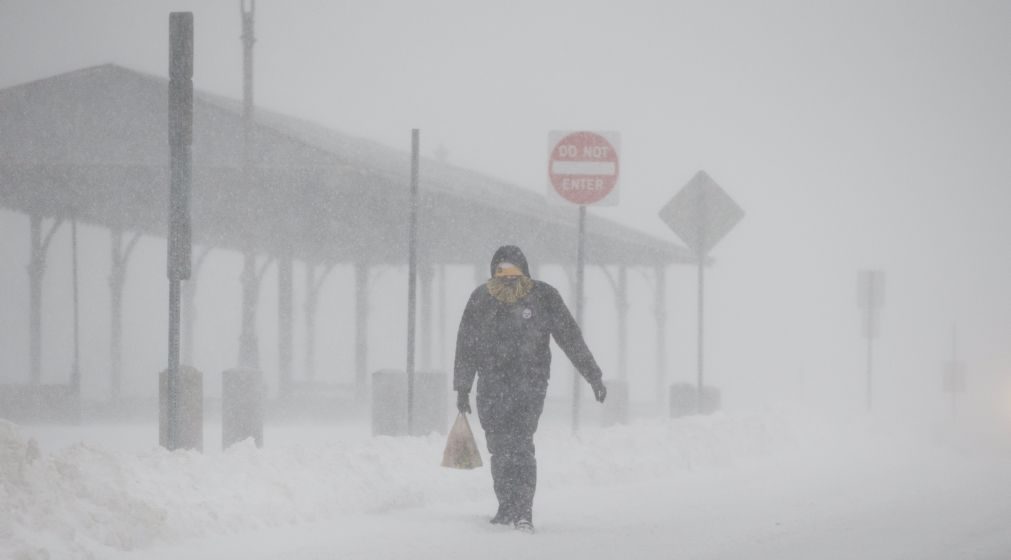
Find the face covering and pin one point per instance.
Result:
(509, 284)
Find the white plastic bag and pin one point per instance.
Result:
(461, 449)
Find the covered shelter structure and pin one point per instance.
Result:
(91, 146)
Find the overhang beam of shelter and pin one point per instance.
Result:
(92, 145)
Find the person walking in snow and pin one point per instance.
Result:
(503, 340)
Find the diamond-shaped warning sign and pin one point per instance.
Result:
(701, 214)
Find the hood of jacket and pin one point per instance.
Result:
(510, 254)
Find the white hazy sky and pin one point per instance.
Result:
(855, 134)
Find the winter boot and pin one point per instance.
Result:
(500, 519)
(524, 526)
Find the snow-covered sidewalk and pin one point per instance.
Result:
(759, 485)
(769, 510)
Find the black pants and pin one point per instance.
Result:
(509, 413)
(514, 472)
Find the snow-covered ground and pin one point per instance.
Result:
(760, 485)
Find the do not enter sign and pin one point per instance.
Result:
(583, 166)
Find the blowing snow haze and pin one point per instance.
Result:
(855, 135)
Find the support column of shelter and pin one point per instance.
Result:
(312, 287)
(573, 304)
(309, 315)
(617, 409)
(36, 270)
(660, 312)
(285, 313)
(361, 327)
(441, 309)
(313, 284)
(249, 344)
(249, 353)
(427, 272)
(308, 312)
(120, 257)
(620, 287)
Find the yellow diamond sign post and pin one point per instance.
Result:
(701, 214)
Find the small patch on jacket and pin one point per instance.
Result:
(527, 313)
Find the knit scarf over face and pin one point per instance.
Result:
(510, 289)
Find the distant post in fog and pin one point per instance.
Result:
(954, 373)
(412, 276)
(870, 298)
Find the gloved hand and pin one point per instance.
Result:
(463, 402)
(599, 390)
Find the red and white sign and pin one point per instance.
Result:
(583, 166)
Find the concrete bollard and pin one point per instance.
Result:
(615, 409)
(389, 403)
(711, 400)
(683, 400)
(242, 396)
(191, 408)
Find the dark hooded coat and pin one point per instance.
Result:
(506, 345)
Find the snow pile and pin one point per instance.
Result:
(83, 500)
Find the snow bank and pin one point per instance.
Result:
(83, 500)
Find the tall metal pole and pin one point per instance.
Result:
(180, 143)
(701, 354)
(870, 382)
(956, 372)
(190, 308)
(623, 323)
(248, 11)
(36, 268)
(870, 341)
(117, 278)
(701, 251)
(75, 372)
(412, 275)
(580, 273)
(249, 351)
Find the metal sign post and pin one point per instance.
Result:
(580, 287)
(583, 170)
(954, 373)
(870, 298)
(701, 214)
(700, 210)
(249, 344)
(412, 279)
(700, 377)
(180, 143)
